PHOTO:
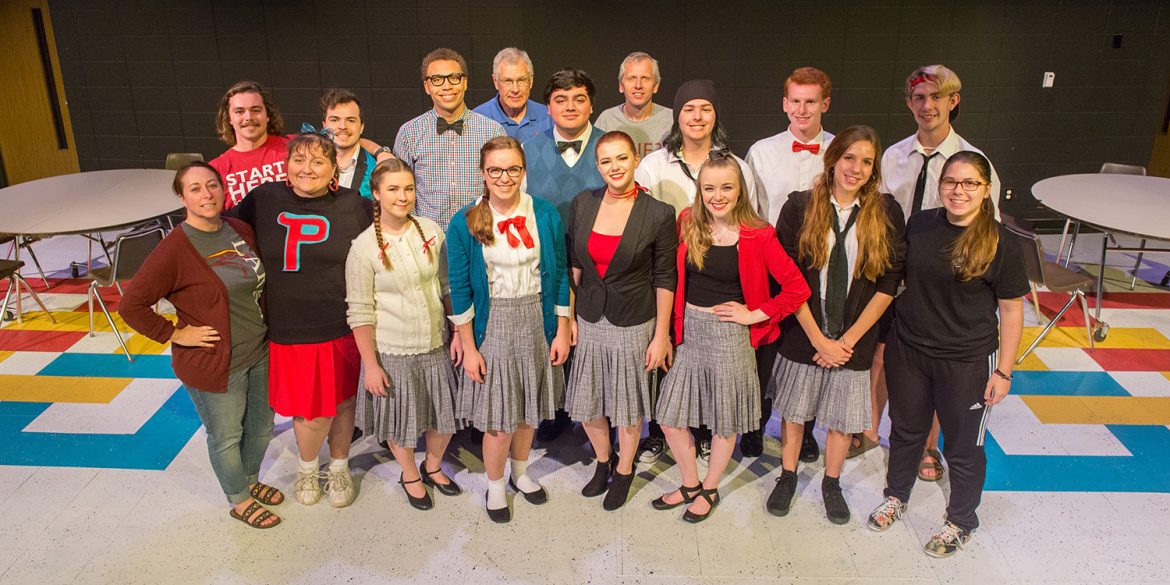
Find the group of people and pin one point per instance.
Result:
(503, 268)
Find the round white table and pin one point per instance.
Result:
(85, 203)
(1134, 205)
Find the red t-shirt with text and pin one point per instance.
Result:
(244, 171)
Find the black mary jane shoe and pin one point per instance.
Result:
(600, 481)
(421, 503)
(537, 497)
(447, 489)
(688, 494)
(619, 490)
(713, 502)
(498, 515)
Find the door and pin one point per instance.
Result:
(1160, 157)
(37, 140)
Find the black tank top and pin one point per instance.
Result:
(718, 281)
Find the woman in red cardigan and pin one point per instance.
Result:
(723, 306)
(208, 269)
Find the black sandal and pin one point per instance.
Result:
(688, 494)
(421, 503)
(251, 518)
(447, 489)
(712, 502)
(266, 494)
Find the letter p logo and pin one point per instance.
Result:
(301, 229)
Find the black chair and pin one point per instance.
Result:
(10, 271)
(1055, 278)
(130, 251)
(175, 161)
(25, 244)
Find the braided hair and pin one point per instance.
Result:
(384, 168)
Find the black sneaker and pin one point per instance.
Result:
(703, 447)
(836, 508)
(780, 501)
(752, 444)
(809, 450)
(651, 449)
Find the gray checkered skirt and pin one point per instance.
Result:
(713, 382)
(609, 377)
(421, 397)
(522, 385)
(838, 398)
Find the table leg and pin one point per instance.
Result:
(16, 282)
(1101, 277)
(1063, 235)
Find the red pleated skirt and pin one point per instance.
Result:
(311, 379)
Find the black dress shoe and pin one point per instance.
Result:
(600, 481)
(688, 494)
(420, 503)
(809, 451)
(447, 489)
(619, 490)
(712, 497)
(498, 515)
(752, 444)
(537, 497)
(549, 430)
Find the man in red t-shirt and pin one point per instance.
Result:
(249, 123)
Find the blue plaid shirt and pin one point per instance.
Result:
(446, 168)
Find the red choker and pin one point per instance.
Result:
(633, 192)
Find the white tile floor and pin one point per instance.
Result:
(71, 525)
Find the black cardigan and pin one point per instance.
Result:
(644, 260)
(794, 343)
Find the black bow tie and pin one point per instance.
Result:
(442, 126)
(562, 146)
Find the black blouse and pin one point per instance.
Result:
(718, 281)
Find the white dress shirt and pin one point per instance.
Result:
(782, 171)
(662, 174)
(571, 156)
(345, 177)
(404, 305)
(902, 162)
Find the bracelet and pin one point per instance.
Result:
(1003, 375)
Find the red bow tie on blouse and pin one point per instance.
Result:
(518, 223)
(799, 146)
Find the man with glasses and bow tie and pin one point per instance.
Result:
(442, 145)
(512, 74)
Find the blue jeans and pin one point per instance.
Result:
(239, 427)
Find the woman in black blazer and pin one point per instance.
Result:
(846, 236)
(622, 245)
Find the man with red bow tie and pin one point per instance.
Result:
(790, 160)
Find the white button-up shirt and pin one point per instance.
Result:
(902, 162)
(662, 174)
(782, 171)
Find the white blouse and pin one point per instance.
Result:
(404, 305)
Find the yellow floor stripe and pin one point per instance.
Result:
(4, 355)
(141, 344)
(20, 388)
(70, 321)
(1119, 338)
(1100, 410)
(1031, 362)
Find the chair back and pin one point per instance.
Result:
(1032, 251)
(176, 160)
(1122, 169)
(131, 249)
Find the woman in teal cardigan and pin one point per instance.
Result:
(510, 302)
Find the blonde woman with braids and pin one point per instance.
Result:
(396, 287)
(723, 305)
(948, 354)
(846, 237)
(510, 299)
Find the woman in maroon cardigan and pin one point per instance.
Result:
(208, 269)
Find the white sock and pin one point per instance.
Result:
(520, 477)
(308, 466)
(497, 496)
(339, 465)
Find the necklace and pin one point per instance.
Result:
(352, 162)
(727, 234)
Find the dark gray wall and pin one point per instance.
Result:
(143, 78)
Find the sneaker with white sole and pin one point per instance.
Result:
(947, 541)
(703, 449)
(651, 449)
(308, 487)
(339, 486)
(886, 514)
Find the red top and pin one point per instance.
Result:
(760, 255)
(601, 249)
(243, 171)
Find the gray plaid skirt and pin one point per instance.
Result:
(420, 398)
(609, 377)
(713, 382)
(522, 385)
(838, 398)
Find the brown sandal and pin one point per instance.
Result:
(267, 495)
(936, 465)
(860, 444)
(254, 519)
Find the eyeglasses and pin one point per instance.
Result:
(520, 82)
(497, 172)
(452, 78)
(968, 185)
